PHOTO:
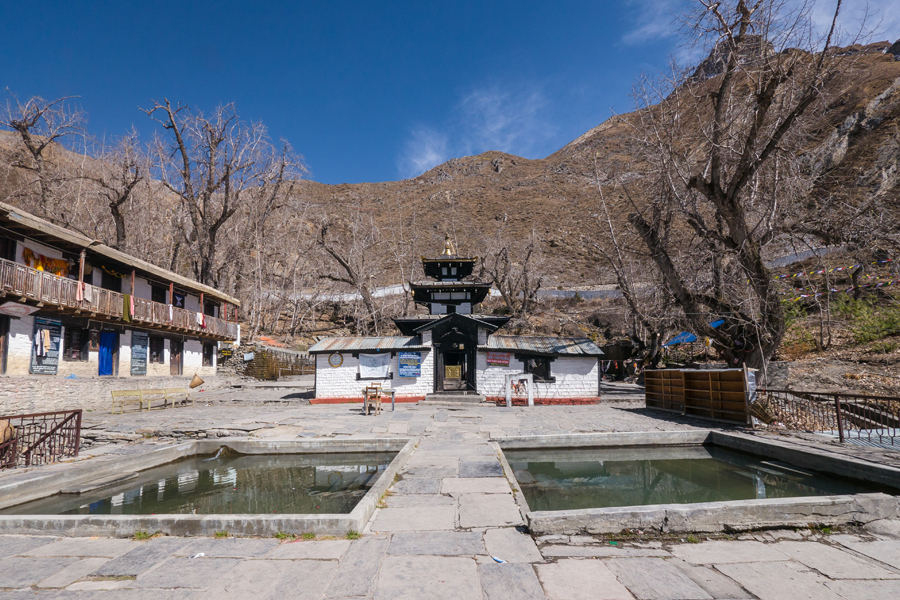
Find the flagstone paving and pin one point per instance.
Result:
(440, 532)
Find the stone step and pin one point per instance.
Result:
(455, 398)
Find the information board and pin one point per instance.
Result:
(500, 359)
(139, 348)
(45, 346)
(410, 364)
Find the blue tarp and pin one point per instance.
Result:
(686, 337)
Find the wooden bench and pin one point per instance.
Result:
(167, 397)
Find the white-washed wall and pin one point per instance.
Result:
(142, 288)
(33, 394)
(18, 356)
(576, 377)
(341, 382)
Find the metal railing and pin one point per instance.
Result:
(849, 416)
(40, 438)
(42, 286)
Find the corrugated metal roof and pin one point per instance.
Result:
(30, 221)
(361, 344)
(544, 345)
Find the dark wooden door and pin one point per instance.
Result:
(176, 357)
(4, 342)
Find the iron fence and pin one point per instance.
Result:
(849, 416)
(39, 439)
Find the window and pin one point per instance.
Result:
(209, 355)
(209, 307)
(110, 282)
(75, 344)
(539, 366)
(158, 294)
(157, 350)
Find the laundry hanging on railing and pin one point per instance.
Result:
(126, 307)
(57, 266)
(41, 342)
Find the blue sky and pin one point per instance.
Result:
(365, 91)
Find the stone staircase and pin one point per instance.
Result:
(454, 398)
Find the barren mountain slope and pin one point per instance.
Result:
(556, 197)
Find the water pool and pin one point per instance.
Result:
(568, 479)
(230, 483)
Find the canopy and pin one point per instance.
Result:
(686, 338)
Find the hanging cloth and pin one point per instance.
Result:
(126, 308)
(170, 313)
(131, 304)
(200, 319)
(46, 341)
(88, 292)
(79, 292)
(38, 343)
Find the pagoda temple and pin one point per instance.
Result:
(453, 351)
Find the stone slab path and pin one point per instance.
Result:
(440, 530)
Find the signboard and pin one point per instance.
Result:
(17, 309)
(500, 359)
(410, 364)
(45, 346)
(139, 347)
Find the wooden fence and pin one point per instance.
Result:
(717, 394)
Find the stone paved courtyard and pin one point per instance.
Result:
(450, 511)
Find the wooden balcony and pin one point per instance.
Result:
(43, 287)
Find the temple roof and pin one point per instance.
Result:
(543, 345)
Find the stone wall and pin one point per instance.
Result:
(18, 359)
(23, 395)
(341, 382)
(576, 377)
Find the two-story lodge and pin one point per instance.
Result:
(74, 308)
(454, 350)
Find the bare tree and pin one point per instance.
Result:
(117, 174)
(720, 149)
(516, 269)
(40, 127)
(214, 165)
(354, 253)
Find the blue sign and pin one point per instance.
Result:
(410, 364)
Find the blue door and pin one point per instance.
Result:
(109, 343)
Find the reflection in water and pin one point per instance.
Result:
(232, 484)
(599, 478)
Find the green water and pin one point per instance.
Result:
(230, 484)
(599, 478)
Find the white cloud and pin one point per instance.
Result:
(657, 20)
(513, 120)
(654, 20)
(882, 16)
(425, 148)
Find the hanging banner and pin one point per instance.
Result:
(45, 346)
(410, 364)
(139, 345)
(500, 359)
(374, 366)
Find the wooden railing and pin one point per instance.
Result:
(41, 286)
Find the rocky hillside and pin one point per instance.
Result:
(856, 148)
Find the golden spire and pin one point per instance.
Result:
(448, 247)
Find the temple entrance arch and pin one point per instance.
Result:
(455, 343)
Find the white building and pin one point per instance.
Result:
(453, 350)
